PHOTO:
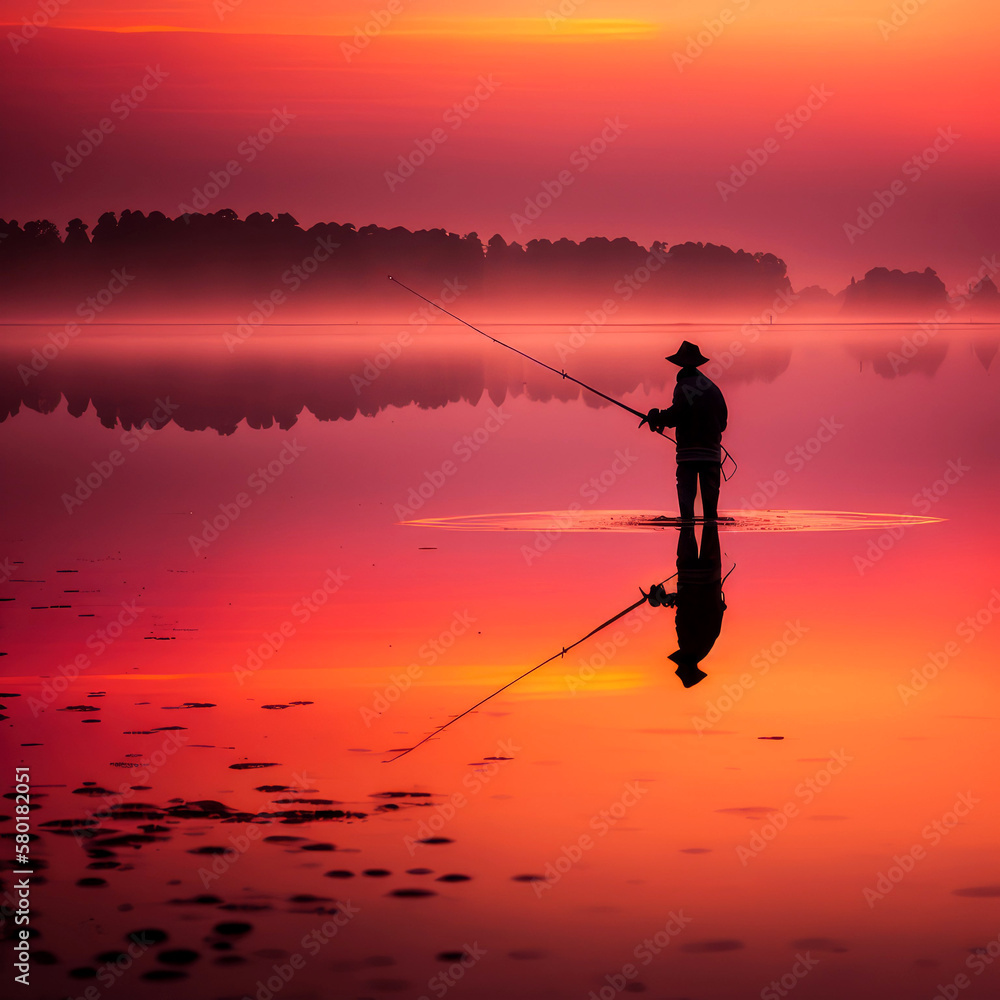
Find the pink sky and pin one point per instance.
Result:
(544, 91)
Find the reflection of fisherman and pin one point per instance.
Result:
(699, 608)
(698, 600)
(698, 411)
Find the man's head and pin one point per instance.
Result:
(688, 356)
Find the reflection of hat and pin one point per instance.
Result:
(687, 669)
(688, 356)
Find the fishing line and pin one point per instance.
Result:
(617, 402)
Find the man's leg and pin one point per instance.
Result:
(687, 550)
(710, 474)
(710, 556)
(687, 488)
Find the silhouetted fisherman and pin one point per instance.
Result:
(698, 600)
(699, 413)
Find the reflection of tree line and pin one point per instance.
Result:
(273, 388)
(915, 350)
(218, 393)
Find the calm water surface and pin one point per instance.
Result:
(234, 588)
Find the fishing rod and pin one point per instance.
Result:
(643, 417)
(556, 656)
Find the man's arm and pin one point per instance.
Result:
(672, 414)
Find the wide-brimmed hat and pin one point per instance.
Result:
(688, 356)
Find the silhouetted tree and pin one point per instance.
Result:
(216, 265)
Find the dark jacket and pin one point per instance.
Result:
(699, 413)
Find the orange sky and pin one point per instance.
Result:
(552, 81)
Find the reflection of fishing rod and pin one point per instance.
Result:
(556, 656)
(643, 417)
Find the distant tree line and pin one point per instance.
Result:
(220, 267)
(224, 264)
